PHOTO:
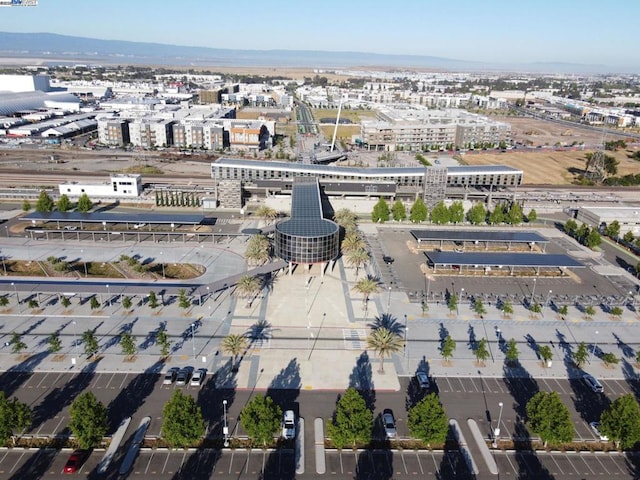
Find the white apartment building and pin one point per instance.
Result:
(120, 185)
(151, 132)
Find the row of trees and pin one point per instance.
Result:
(503, 213)
(165, 198)
(589, 237)
(45, 203)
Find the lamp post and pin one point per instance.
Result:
(459, 301)
(109, 300)
(225, 428)
(595, 346)
(15, 291)
(4, 266)
(193, 341)
(389, 300)
(75, 338)
(84, 263)
(162, 264)
(496, 432)
(498, 336)
(533, 291)
(546, 303)
(208, 292)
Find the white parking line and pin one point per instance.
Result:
(559, 386)
(568, 457)
(124, 379)
(587, 464)
(44, 377)
(146, 470)
(419, 463)
(113, 375)
(557, 464)
(20, 458)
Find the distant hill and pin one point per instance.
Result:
(90, 50)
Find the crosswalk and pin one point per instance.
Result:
(354, 339)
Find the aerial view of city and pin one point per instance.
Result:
(341, 240)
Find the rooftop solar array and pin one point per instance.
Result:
(99, 217)
(478, 235)
(503, 259)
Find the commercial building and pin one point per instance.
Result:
(627, 217)
(120, 185)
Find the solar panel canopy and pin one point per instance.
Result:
(489, 259)
(479, 235)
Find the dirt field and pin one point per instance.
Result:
(549, 167)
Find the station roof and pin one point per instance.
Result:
(109, 217)
(479, 235)
(490, 259)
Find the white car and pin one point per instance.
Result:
(595, 426)
(198, 377)
(289, 425)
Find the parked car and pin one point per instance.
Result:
(422, 379)
(595, 426)
(184, 375)
(198, 377)
(593, 383)
(70, 227)
(289, 425)
(388, 260)
(389, 422)
(170, 376)
(74, 462)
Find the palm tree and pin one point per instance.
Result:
(234, 345)
(246, 287)
(346, 219)
(388, 321)
(357, 259)
(267, 213)
(366, 286)
(353, 241)
(258, 250)
(384, 342)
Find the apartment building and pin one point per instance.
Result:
(113, 131)
(149, 133)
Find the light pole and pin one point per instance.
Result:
(84, 263)
(109, 300)
(595, 346)
(193, 341)
(498, 336)
(15, 291)
(406, 345)
(546, 303)
(533, 291)
(4, 266)
(225, 428)
(208, 292)
(459, 301)
(75, 338)
(162, 264)
(496, 432)
(389, 300)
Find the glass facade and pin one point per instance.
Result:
(307, 248)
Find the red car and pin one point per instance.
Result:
(74, 462)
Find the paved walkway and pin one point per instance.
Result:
(309, 331)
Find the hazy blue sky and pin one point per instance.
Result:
(586, 31)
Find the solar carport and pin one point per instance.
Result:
(111, 218)
(475, 237)
(500, 260)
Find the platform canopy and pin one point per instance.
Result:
(479, 236)
(109, 217)
(503, 259)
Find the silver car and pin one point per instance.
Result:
(389, 422)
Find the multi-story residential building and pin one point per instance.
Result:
(113, 131)
(149, 133)
(207, 135)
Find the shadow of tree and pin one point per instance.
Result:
(261, 331)
(152, 336)
(36, 466)
(361, 379)
(626, 350)
(33, 326)
(284, 389)
(16, 375)
(60, 397)
(388, 321)
(376, 464)
(473, 342)
(198, 465)
(529, 465)
(414, 392)
(220, 386)
(521, 385)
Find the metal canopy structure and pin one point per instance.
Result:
(478, 235)
(501, 259)
(108, 217)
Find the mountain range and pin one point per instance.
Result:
(53, 49)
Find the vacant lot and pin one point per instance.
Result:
(549, 167)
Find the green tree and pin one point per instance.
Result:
(621, 421)
(549, 418)
(183, 424)
(456, 212)
(163, 340)
(183, 300)
(481, 352)
(380, 211)
(478, 307)
(258, 250)
(234, 344)
(357, 259)
(88, 420)
(515, 215)
(628, 236)
(353, 242)
(506, 308)
(84, 204)
(17, 345)
(15, 415)
(32, 303)
(398, 211)
(447, 347)
(589, 311)
(497, 216)
(613, 229)
(247, 287)
(418, 212)
(352, 421)
(128, 344)
(440, 214)
(384, 342)
(366, 287)
(545, 353)
(261, 418)
(563, 310)
(593, 239)
(536, 308)
(616, 312)
(428, 421)
(581, 355)
(65, 301)
(64, 204)
(153, 300)
(346, 219)
(90, 343)
(532, 216)
(44, 203)
(55, 345)
(610, 358)
(452, 302)
(477, 214)
(4, 301)
(126, 303)
(570, 227)
(512, 353)
(94, 303)
(26, 205)
(267, 213)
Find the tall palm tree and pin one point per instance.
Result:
(353, 241)
(366, 286)
(388, 321)
(246, 287)
(258, 250)
(384, 342)
(346, 219)
(267, 213)
(234, 345)
(357, 259)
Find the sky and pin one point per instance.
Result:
(496, 31)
